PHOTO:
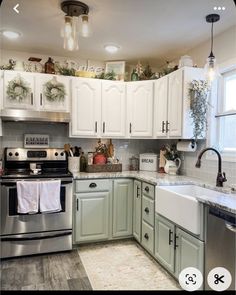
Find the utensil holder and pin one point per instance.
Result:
(74, 164)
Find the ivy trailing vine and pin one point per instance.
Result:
(198, 95)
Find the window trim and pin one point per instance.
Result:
(213, 124)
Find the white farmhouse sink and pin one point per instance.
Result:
(178, 203)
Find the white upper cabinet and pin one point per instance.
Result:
(171, 104)
(50, 89)
(140, 109)
(19, 90)
(86, 107)
(29, 91)
(113, 109)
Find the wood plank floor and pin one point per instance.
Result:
(59, 271)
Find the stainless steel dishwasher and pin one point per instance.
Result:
(220, 243)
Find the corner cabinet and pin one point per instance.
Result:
(36, 99)
(137, 207)
(172, 105)
(176, 249)
(140, 109)
(122, 208)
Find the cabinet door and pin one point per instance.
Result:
(137, 211)
(140, 108)
(20, 102)
(113, 109)
(92, 213)
(189, 252)
(49, 97)
(164, 242)
(122, 207)
(175, 97)
(160, 107)
(86, 107)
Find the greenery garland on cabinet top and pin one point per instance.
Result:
(18, 89)
(198, 95)
(54, 90)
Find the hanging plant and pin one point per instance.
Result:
(198, 95)
(18, 89)
(54, 90)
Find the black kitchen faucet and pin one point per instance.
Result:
(220, 176)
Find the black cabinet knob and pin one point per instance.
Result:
(93, 185)
(16, 154)
(146, 210)
(147, 189)
(10, 154)
(56, 154)
(146, 236)
(62, 154)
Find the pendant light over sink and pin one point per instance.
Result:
(211, 68)
(76, 22)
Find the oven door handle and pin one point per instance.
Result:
(9, 239)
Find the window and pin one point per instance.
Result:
(222, 131)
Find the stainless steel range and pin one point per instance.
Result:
(26, 234)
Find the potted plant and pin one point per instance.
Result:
(173, 161)
(198, 95)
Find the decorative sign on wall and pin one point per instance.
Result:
(36, 141)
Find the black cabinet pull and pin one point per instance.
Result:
(167, 124)
(138, 188)
(130, 127)
(163, 127)
(32, 98)
(146, 210)
(146, 236)
(147, 189)
(96, 127)
(41, 99)
(103, 127)
(77, 204)
(93, 185)
(170, 233)
(175, 246)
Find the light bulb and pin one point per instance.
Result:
(85, 29)
(211, 70)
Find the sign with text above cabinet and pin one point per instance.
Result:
(172, 105)
(140, 109)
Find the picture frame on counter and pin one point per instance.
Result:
(118, 67)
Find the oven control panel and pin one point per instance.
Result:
(20, 154)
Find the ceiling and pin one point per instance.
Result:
(146, 30)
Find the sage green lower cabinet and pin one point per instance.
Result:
(137, 203)
(164, 249)
(122, 208)
(189, 252)
(176, 249)
(92, 216)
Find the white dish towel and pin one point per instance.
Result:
(27, 197)
(50, 196)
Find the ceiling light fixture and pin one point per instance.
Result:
(111, 48)
(211, 69)
(10, 34)
(76, 22)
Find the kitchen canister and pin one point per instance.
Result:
(74, 164)
(148, 162)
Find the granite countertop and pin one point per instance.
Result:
(225, 201)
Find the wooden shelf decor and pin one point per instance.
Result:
(104, 168)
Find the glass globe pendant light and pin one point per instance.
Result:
(211, 70)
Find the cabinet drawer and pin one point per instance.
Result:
(148, 237)
(91, 185)
(148, 190)
(148, 210)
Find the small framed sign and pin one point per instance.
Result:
(118, 67)
(36, 141)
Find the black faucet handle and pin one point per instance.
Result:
(224, 177)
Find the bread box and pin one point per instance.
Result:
(148, 162)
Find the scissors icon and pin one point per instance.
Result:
(218, 279)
